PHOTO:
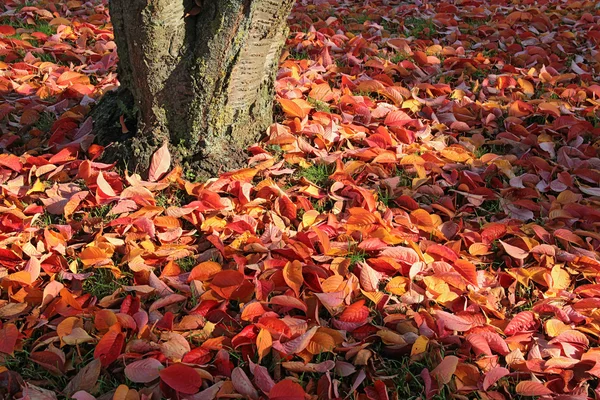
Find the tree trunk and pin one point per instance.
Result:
(201, 74)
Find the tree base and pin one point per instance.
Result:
(133, 152)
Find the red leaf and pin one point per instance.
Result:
(377, 392)
(523, 321)
(287, 390)
(492, 232)
(442, 251)
(296, 345)
(224, 283)
(8, 338)
(7, 30)
(110, 346)
(11, 161)
(160, 164)
(479, 344)
(398, 118)
(369, 278)
(181, 378)
(104, 189)
(289, 301)
(355, 312)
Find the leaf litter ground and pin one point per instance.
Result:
(421, 222)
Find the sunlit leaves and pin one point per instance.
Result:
(424, 208)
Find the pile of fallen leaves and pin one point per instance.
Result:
(422, 221)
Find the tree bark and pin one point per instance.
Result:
(201, 74)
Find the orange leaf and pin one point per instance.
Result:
(466, 270)
(292, 108)
(292, 274)
(204, 271)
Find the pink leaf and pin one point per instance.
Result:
(493, 376)
(143, 371)
(453, 322)
(160, 164)
(514, 251)
(444, 371)
(532, 388)
(242, 383)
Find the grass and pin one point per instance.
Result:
(319, 105)
(299, 55)
(384, 196)
(276, 151)
(356, 257)
(45, 122)
(323, 205)
(406, 178)
(399, 57)
(172, 197)
(535, 119)
(39, 26)
(405, 375)
(33, 372)
(485, 149)
(47, 219)
(103, 283)
(101, 212)
(45, 57)
(187, 263)
(317, 174)
(419, 27)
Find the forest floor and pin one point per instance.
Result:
(422, 220)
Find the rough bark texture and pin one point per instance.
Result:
(204, 82)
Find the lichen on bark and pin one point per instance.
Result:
(201, 80)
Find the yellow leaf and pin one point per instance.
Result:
(555, 327)
(397, 285)
(38, 187)
(560, 278)
(419, 346)
(264, 341)
(526, 86)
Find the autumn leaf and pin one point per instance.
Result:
(143, 371)
(181, 378)
(292, 273)
(110, 346)
(160, 163)
(444, 371)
